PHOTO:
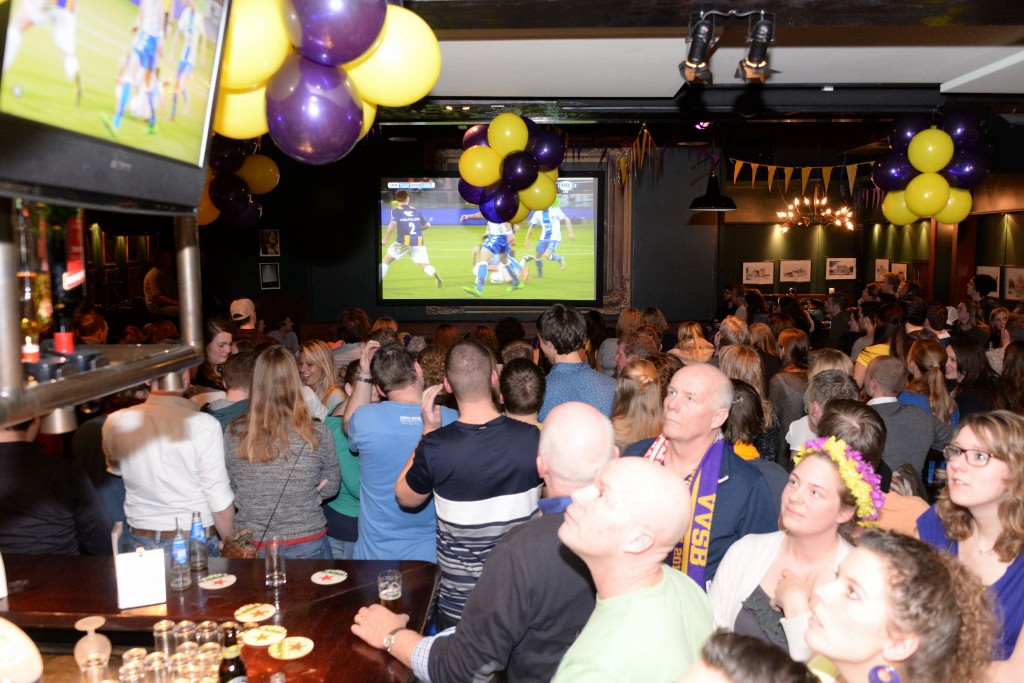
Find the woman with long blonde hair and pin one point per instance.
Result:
(316, 371)
(282, 464)
(637, 407)
(926, 388)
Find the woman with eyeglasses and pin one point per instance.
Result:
(980, 515)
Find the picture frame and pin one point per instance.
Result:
(270, 243)
(759, 272)
(994, 271)
(900, 268)
(270, 276)
(841, 268)
(881, 268)
(795, 270)
(1013, 279)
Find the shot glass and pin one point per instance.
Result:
(184, 632)
(209, 632)
(163, 637)
(389, 588)
(275, 574)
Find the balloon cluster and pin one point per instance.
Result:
(509, 168)
(237, 173)
(931, 170)
(312, 72)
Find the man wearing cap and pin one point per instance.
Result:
(243, 312)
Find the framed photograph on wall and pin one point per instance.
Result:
(794, 271)
(881, 268)
(899, 268)
(270, 276)
(992, 271)
(270, 244)
(840, 269)
(1013, 277)
(758, 272)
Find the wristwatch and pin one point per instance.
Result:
(389, 639)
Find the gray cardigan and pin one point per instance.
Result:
(258, 486)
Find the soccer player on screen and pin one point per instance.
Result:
(140, 70)
(190, 27)
(550, 221)
(497, 242)
(410, 224)
(61, 14)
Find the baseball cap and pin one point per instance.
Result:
(241, 309)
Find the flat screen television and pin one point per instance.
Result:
(438, 232)
(97, 105)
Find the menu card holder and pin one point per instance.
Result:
(140, 574)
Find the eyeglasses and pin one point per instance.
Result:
(974, 458)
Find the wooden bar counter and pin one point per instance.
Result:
(49, 593)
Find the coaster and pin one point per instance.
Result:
(329, 576)
(215, 582)
(265, 635)
(293, 647)
(257, 611)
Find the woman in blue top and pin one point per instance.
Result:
(926, 388)
(980, 516)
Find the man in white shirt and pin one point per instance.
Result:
(550, 222)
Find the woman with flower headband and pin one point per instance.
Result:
(900, 612)
(764, 583)
(980, 518)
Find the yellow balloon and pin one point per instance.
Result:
(260, 173)
(553, 173)
(957, 208)
(930, 150)
(894, 208)
(479, 165)
(241, 114)
(540, 195)
(208, 213)
(369, 114)
(405, 65)
(521, 214)
(507, 133)
(257, 43)
(927, 194)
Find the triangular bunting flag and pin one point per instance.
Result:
(753, 172)
(805, 175)
(826, 174)
(851, 176)
(736, 170)
(787, 173)
(771, 176)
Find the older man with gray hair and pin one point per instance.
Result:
(534, 596)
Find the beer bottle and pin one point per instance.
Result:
(232, 668)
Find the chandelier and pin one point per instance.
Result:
(808, 211)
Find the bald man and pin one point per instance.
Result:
(534, 596)
(732, 498)
(650, 621)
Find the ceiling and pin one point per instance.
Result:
(615, 62)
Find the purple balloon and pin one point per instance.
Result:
(967, 170)
(531, 126)
(547, 148)
(903, 130)
(314, 113)
(471, 193)
(333, 32)
(892, 172)
(964, 127)
(477, 135)
(225, 159)
(249, 216)
(518, 170)
(230, 194)
(499, 203)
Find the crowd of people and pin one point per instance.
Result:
(710, 502)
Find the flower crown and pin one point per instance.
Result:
(860, 478)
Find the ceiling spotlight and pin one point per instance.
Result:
(694, 69)
(754, 67)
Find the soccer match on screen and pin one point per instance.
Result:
(435, 246)
(134, 72)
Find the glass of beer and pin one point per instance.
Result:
(389, 588)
